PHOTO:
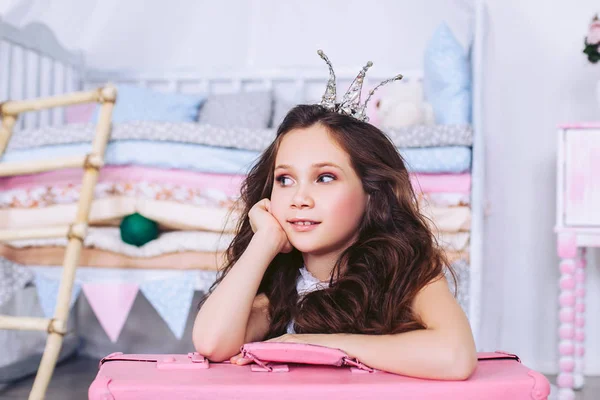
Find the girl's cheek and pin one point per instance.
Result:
(348, 205)
(276, 210)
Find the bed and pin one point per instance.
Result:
(448, 174)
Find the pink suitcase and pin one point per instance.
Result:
(298, 371)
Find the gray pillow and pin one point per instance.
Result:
(281, 108)
(238, 110)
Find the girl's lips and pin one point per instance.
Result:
(304, 228)
(292, 220)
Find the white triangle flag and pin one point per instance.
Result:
(47, 291)
(172, 299)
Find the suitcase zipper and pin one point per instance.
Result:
(125, 359)
(503, 356)
(500, 356)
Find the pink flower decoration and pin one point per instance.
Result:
(593, 36)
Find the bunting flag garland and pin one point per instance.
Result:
(47, 291)
(171, 299)
(111, 304)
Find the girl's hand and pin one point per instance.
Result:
(289, 338)
(261, 220)
(334, 340)
(239, 360)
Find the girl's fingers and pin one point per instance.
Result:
(263, 203)
(239, 360)
(243, 361)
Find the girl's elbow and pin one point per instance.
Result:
(207, 346)
(217, 348)
(463, 364)
(202, 346)
(211, 351)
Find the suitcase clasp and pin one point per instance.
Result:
(197, 358)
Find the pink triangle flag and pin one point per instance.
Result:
(111, 303)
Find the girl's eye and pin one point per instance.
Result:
(326, 176)
(282, 180)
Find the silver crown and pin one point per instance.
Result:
(350, 104)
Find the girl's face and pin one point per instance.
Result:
(315, 183)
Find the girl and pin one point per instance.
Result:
(332, 250)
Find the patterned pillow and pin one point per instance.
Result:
(238, 110)
(12, 279)
(431, 135)
(447, 78)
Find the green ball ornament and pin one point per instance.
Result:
(138, 230)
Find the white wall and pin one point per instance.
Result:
(536, 77)
(205, 34)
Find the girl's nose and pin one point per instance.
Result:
(302, 199)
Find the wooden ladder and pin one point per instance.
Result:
(75, 233)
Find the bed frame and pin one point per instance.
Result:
(34, 64)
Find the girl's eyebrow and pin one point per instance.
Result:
(316, 165)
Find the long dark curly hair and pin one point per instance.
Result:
(393, 258)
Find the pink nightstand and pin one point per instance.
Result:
(577, 227)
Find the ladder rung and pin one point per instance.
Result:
(32, 167)
(19, 106)
(24, 323)
(38, 233)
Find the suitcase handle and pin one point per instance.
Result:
(264, 365)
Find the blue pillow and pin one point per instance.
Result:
(447, 78)
(136, 103)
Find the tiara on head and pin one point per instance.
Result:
(350, 104)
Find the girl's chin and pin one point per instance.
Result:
(305, 246)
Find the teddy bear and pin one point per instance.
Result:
(400, 105)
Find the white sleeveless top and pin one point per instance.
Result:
(306, 283)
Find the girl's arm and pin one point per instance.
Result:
(444, 350)
(220, 328)
(259, 320)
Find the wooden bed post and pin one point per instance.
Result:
(7, 124)
(76, 232)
